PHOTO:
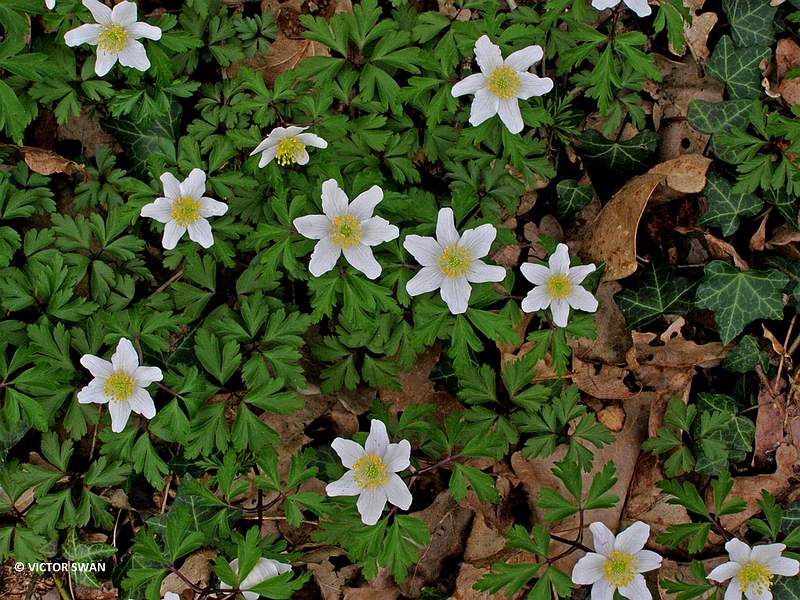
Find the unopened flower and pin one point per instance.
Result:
(451, 262)
(640, 7)
(171, 596)
(51, 4)
(116, 34)
(346, 228)
(121, 384)
(288, 146)
(617, 563)
(264, 569)
(372, 474)
(558, 287)
(184, 208)
(502, 83)
(752, 571)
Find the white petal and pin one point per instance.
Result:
(172, 187)
(124, 13)
(738, 550)
(85, 34)
(348, 450)
(267, 156)
(455, 292)
(144, 376)
(377, 230)
(536, 274)
(782, 565)
(478, 241)
(119, 411)
(602, 538)
(344, 486)
(378, 439)
(143, 30)
(753, 594)
(92, 393)
(537, 299)
(580, 299)
(270, 141)
(303, 158)
(142, 403)
(291, 131)
(334, 200)
(160, 210)
(427, 280)
(734, 591)
(364, 204)
(370, 505)
(125, 357)
(309, 139)
(510, 115)
(314, 227)
(724, 571)
(646, 560)
(484, 106)
(425, 250)
(588, 569)
(194, 185)
(604, 4)
(97, 366)
(134, 55)
(487, 54)
(633, 538)
(264, 569)
(640, 7)
(397, 492)
(559, 260)
(531, 85)
(398, 456)
(250, 596)
(103, 62)
(602, 590)
(522, 60)
(200, 232)
(51, 4)
(636, 590)
(469, 85)
(764, 552)
(480, 272)
(324, 257)
(446, 233)
(212, 208)
(581, 272)
(100, 12)
(360, 257)
(172, 233)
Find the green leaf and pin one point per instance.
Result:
(220, 360)
(745, 355)
(725, 208)
(738, 68)
(660, 293)
(481, 482)
(572, 196)
(404, 538)
(751, 21)
(630, 155)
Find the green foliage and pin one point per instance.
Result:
(661, 293)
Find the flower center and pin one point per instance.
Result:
(559, 286)
(290, 150)
(755, 578)
(504, 82)
(113, 38)
(118, 386)
(620, 568)
(346, 231)
(185, 211)
(454, 261)
(370, 472)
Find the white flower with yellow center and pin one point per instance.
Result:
(184, 208)
(752, 571)
(617, 563)
(264, 569)
(640, 7)
(558, 287)
(121, 384)
(502, 83)
(372, 474)
(116, 34)
(451, 262)
(287, 145)
(346, 228)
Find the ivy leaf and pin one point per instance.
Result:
(738, 68)
(629, 155)
(572, 196)
(745, 356)
(141, 140)
(714, 118)
(786, 588)
(660, 293)
(751, 21)
(739, 297)
(726, 207)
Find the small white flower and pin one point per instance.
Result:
(640, 7)
(618, 563)
(451, 262)
(558, 287)
(288, 145)
(51, 4)
(501, 83)
(171, 596)
(121, 384)
(263, 570)
(184, 208)
(116, 35)
(373, 473)
(751, 570)
(346, 228)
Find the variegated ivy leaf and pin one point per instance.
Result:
(572, 196)
(659, 293)
(725, 208)
(627, 156)
(751, 21)
(714, 118)
(738, 68)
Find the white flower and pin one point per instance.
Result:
(373, 472)
(501, 83)
(346, 228)
(752, 571)
(264, 569)
(618, 563)
(121, 384)
(116, 35)
(184, 208)
(558, 287)
(51, 4)
(640, 7)
(451, 262)
(171, 596)
(288, 144)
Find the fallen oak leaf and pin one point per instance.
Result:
(47, 162)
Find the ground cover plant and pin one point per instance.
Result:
(399, 299)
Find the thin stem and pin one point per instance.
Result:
(783, 355)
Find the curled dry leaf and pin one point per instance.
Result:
(47, 162)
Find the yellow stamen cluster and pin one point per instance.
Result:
(185, 210)
(119, 386)
(113, 38)
(754, 577)
(504, 82)
(370, 472)
(454, 261)
(346, 231)
(620, 568)
(559, 286)
(290, 150)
